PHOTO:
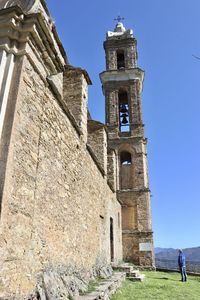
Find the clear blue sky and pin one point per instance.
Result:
(168, 33)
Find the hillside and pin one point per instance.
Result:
(167, 258)
(159, 250)
(192, 254)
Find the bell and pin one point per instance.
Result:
(123, 108)
(124, 120)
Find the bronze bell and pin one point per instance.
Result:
(123, 108)
(124, 120)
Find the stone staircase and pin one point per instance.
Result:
(109, 286)
(106, 288)
(131, 273)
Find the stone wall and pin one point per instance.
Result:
(56, 204)
(97, 140)
(112, 169)
(75, 87)
(132, 243)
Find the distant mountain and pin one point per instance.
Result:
(158, 250)
(192, 254)
(168, 258)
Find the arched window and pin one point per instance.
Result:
(120, 59)
(125, 158)
(124, 122)
(126, 171)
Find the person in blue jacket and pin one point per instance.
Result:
(182, 265)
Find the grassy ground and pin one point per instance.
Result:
(160, 286)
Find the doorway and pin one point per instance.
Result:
(111, 240)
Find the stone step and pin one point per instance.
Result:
(139, 278)
(106, 288)
(123, 268)
(133, 273)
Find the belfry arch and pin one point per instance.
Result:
(126, 170)
(120, 59)
(124, 115)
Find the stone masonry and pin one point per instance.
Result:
(122, 85)
(56, 204)
(61, 208)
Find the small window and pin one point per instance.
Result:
(120, 59)
(119, 223)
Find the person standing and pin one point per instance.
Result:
(182, 265)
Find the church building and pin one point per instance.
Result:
(74, 192)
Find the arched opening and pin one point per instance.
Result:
(120, 59)
(129, 217)
(125, 158)
(124, 120)
(126, 171)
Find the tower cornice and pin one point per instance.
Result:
(122, 75)
(27, 6)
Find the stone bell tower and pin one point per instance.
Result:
(122, 86)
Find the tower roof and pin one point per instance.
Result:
(119, 27)
(120, 31)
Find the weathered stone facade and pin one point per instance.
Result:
(56, 204)
(122, 85)
(59, 180)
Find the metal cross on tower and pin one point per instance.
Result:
(119, 19)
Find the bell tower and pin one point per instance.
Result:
(122, 84)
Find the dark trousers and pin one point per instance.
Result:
(183, 273)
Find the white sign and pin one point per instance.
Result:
(145, 247)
